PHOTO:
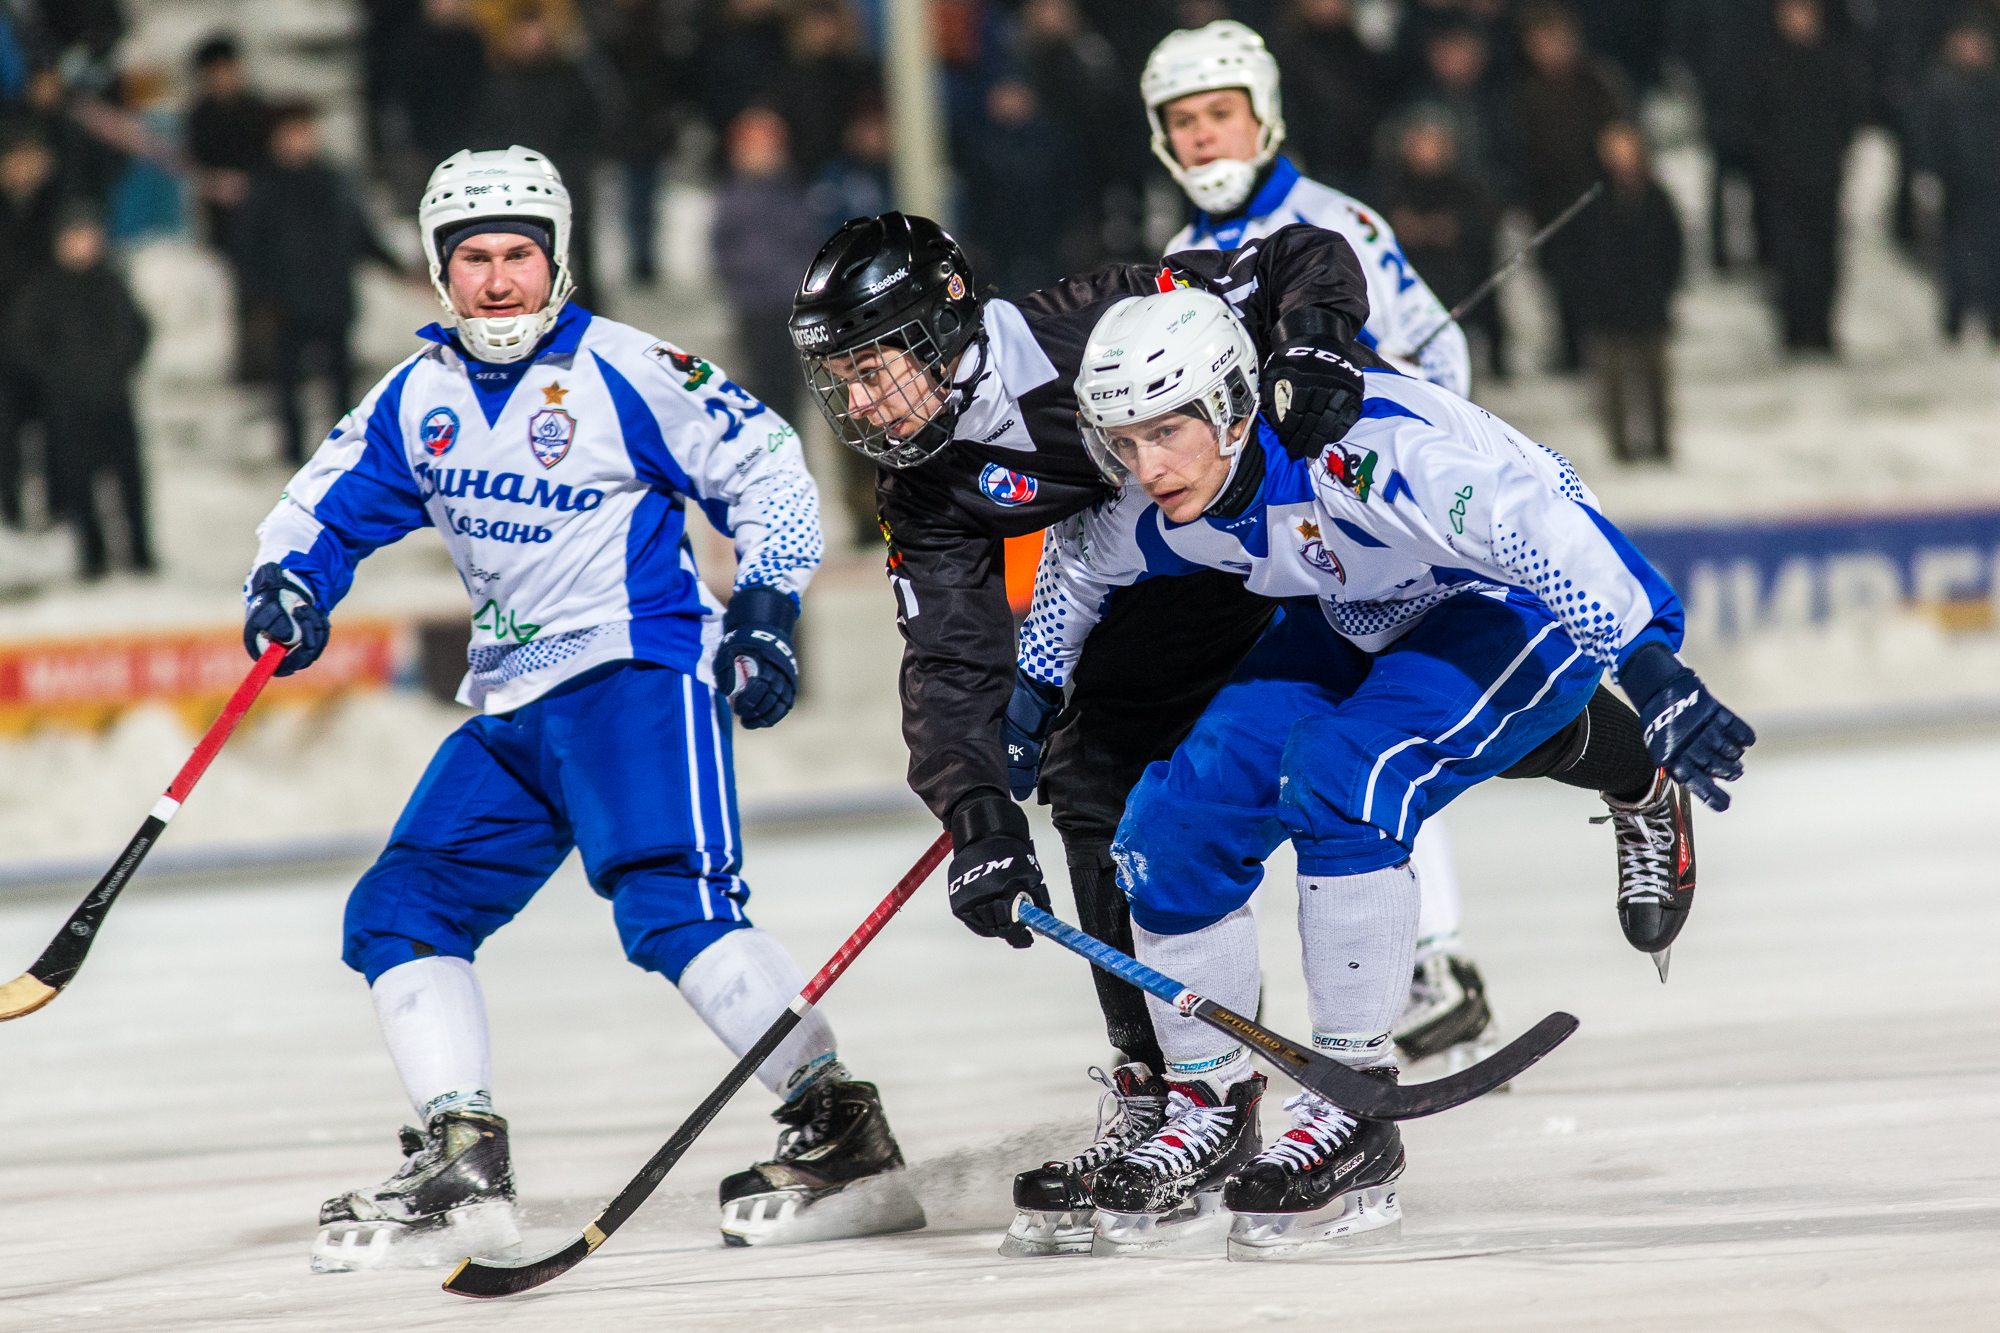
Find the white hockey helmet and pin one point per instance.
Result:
(1183, 350)
(516, 184)
(1222, 54)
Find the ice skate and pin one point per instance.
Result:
(1447, 1017)
(837, 1173)
(1655, 866)
(1325, 1183)
(452, 1197)
(1166, 1194)
(1055, 1214)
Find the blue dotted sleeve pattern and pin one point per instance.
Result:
(1084, 558)
(355, 494)
(738, 459)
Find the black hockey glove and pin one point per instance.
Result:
(280, 610)
(1311, 391)
(754, 665)
(993, 861)
(1688, 731)
(1030, 714)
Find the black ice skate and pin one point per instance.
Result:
(1655, 866)
(1328, 1180)
(1054, 1212)
(1446, 1015)
(453, 1196)
(837, 1173)
(1167, 1192)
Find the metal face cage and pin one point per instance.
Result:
(869, 390)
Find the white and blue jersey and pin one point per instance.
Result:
(1428, 498)
(560, 484)
(1402, 310)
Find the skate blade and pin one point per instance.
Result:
(876, 1206)
(1199, 1226)
(484, 1230)
(1358, 1218)
(1662, 960)
(1038, 1235)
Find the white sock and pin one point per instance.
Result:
(1437, 879)
(1358, 937)
(739, 985)
(434, 1018)
(1219, 963)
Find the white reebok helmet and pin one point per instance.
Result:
(1223, 54)
(1183, 350)
(516, 183)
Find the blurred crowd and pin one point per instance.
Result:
(1449, 117)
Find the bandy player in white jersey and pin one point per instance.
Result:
(557, 453)
(1213, 101)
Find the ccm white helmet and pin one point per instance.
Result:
(515, 184)
(1183, 350)
(1223, 54)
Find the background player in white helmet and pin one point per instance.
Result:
(1218, 124)
(557, 453)
(1450, 596)
(1212, 98)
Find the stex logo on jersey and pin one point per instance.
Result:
(439, 431)
(1354, 471)
(1314, 551)
(550, 432)
(1006, 487)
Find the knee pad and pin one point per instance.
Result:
(1185, 863)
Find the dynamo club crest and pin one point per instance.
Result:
(549, 434)
(1006, 487)
(439, 431)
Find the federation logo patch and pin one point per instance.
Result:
(549, 434)
(439, 431)
(956, 287)
(1006, 487)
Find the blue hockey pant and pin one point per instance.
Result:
(629, 762)
(1343, 752)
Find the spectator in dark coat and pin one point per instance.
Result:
(644, 47)
(300, 236)
(1810, 99)
(1335, 92)
(1090, 99)
(1446, 221)
(1630, 253)
(1722, 42)
(79, 335)
(537, 97)
(1024, 187)
(743, 60)
(441, 79)
(762, 238)
(826, 78)
(1561, 106)
(228, 136)
(27, 246)
(1958, 144)
(1459, 82)
(856, 184)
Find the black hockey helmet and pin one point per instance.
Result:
(893, 294)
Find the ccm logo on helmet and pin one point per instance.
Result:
(1097, 396)
(1228, 355)
(1006, 487)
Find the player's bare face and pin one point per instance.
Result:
(1177, 460)
(889, 389)
(1211, 127)
(497, 275)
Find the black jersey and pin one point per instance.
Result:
(1017, 464)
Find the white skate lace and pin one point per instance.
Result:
(1645, 849)
(796, 1139)
(1191, 1130)
(1318, 1129)
(1130, 1120)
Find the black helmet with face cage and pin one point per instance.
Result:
(886, 284)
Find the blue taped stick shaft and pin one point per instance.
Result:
(1100, 953)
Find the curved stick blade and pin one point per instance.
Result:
(483, 1278)
(1421, 1099)
(25, 994)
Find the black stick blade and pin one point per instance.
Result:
(1422, 1099)
(484, 1278)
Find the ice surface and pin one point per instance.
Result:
(1796, 1133)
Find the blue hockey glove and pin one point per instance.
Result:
(1688, 731)
(1311, 392)
(1030, 714)
(280, 610)
(754, 665)
(993, 861)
